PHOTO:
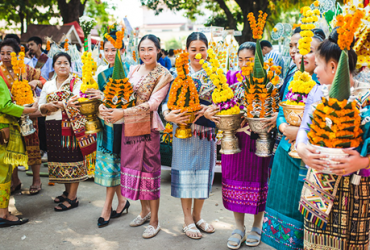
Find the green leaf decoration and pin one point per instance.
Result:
(118, 72)
(343, 145)
(336, 106)
(302, 65)
(352, 128)
(346, 137)
(324, 136)
(258, 70)
(334, 114)
(321, 111)
(340, 88)
(348, 106)
(348, 122)
(326, 128)
(322, 144)
(351, 114)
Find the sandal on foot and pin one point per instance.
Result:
(138, 221)
(9, 223)
(254, 237)
(206, 228)
(61, 198)
(236, 240)
(193, 229)
(73, 204)
(150, 231)
(17, 188)
(35, 189)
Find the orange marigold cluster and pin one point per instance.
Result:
(134, 55)
(336, 124)
(183, 93)
(348, 25)
(118, 42)
(257, 27)
(22, 92)
(18, 63)
(66, 45)
(117, 94)
(48, 45)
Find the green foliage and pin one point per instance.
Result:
(174, 43)
(98, 10)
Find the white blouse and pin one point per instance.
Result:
(50, 87)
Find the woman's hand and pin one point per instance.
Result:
(351, 164)
(311, 157)
(33, 84)
(103, 111)
(59, 104)
(94, 94)
(200, 113)
(30, 110)
(210, 113)
(271, 122)
(175, 116)
(244, 121)
(73, 102)
(114, 115)
(290, 132)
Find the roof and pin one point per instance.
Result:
(78, 28)
(56, 32)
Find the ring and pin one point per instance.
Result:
(344, 171)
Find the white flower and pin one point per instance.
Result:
(86, 19)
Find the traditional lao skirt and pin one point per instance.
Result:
(33, 146)
(349, 218)
(141, 166)
(108, 160)
(244, 178)
(192, 168)
(66, 164)
(5, 178)
(283, 223)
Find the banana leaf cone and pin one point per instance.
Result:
(340, 88)
(118, 72)
(258, 70)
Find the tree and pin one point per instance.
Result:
(99, 11)
(26, 12)
(71, 10)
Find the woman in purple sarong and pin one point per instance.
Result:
(244, 175)
(140, 157)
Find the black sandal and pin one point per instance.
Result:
(73, 204)
(9, 223)
(61, 198)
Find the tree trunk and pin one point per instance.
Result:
(21, 18)
(71, 11)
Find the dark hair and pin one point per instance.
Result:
(12, 43)
(60, 54)
(35, 39)
(248, 46)
(196, 36)
(297, 30)
(265, 43)
(14, 36)
(319, 34)
(170, 52)
(329, 50)
(152, 38)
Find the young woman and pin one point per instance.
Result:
(348, 223)
(194, 158)
(33, 76)
(108, 160)
(11, 148)
(281, 215)
(141, 164)
(244, 175)
(64, 132)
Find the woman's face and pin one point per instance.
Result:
(148, 52)
(245, 57)
(325, 71)
(5, 55)
(109, 52)
(62, 66)
(293, 45)
(197, 47)
(309, 59)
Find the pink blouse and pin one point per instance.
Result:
(155, 99)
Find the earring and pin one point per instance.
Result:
(332, 72)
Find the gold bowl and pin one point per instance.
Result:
(184, 131)
(293, 114)
(229, 124)
(90, 109)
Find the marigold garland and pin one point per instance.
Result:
(257, 27)
(88, 70)
(222, 95)
(66, 44)
(183, 93)
(22, 92)
(336, 124)
(308, 20)
(48, 45)
(118, 42)
(261, 100)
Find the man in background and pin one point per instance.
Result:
(269, 52)
(39, 59)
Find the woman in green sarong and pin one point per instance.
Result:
(12, 152)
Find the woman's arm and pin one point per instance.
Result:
(6, 104)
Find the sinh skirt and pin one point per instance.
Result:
(33, 146)
(66, 165)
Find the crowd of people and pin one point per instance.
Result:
(128, 161)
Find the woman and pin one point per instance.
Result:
(244, 175)
(283, 223)
(33, 76)
(107, 167)
(348, 222)
(141, 166)
(11, 148)
(194, 159)
(66, 140)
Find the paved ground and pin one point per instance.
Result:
(77, 229)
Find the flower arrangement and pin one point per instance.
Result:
(336, 124)
(88, 70)
(183, 93)
(257, 27)
(308, 20)
(66, 44)
(348, 25)
(222, 95)
(299, 88)
(118, 42)
(260, 98)
(21, 90)
(48, 45)
(87, 23)
(168, 129)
